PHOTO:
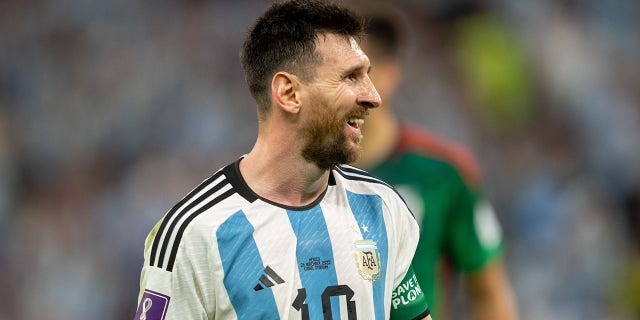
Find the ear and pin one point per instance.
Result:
(285, 91)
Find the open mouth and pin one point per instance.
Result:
(355, 122)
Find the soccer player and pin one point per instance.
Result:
(441, 184)
(289, 231)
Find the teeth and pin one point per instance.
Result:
(356, 121)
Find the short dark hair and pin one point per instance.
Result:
(384, 36)
(385, 31)
(283, 38)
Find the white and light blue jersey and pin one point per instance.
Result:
(223, 252)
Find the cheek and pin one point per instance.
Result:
(334, 97)
(344, 95)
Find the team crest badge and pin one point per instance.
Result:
(368, 260)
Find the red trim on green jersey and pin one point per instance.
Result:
(416, 138)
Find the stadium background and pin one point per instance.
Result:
(111, 110)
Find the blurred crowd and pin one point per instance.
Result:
(110, 111)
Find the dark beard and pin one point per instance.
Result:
(326, 143)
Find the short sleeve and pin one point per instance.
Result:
(475, 236)
(407, 300)
(179, 293)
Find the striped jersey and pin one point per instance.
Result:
(223, 252)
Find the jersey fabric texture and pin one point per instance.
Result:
(441, 184)
(223, 252)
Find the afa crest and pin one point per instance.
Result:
(368, 260)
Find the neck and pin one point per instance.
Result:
(275, 170)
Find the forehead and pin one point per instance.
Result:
(340, 51)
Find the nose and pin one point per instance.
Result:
(369, 98)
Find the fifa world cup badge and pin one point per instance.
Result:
(153, 306)
(368, 260)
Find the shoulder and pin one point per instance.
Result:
(425, 143)
(194, 217)
(360, 181)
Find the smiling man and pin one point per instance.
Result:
(340, 97)
(289, 230)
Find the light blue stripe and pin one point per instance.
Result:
(315, 259)
(367, 210)
(243, 267)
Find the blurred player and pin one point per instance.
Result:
(441, 184)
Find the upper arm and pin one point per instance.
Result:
(490, 292)
(474, 235)
(407, 300)
(182, 292)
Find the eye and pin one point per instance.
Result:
(352, 76)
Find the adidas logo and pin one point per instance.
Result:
(268, 279)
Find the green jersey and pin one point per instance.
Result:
(441, 184)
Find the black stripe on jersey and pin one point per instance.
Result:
(163, 226)
(176, 243)
(347, 171)
(422, 315)
(183, 212)
(332, 179)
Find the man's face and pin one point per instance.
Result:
(336, 101)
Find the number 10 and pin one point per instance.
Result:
(330, 291)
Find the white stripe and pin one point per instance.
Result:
(275, 238)
(339, 217)
(351, 167)
(164, 232)
(364, 174)
(174, 234)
